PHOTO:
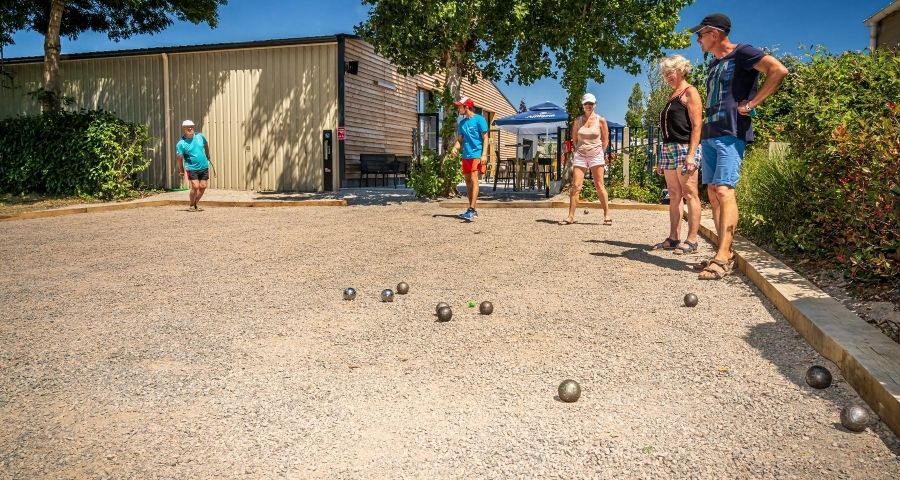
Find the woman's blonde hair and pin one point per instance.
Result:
(676, 63)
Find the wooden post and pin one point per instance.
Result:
(626, 156)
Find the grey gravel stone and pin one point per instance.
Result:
(152, 343)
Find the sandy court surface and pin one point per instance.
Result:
(157, 343)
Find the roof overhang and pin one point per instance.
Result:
(884, 12)
(187, 48)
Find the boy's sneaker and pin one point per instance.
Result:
(463, 214)
(469, 215)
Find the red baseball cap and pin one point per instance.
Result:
(465, 101)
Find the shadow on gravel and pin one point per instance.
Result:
(556, 222)
(640, 253)
(777, 340)
(441, 215)
(353, 196)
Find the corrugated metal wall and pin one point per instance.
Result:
(131, 87)
(262, 109)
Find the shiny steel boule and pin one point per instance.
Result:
(387, 295)
(569, 391)
(690, 300)
(486, 308)
(349, 293)
(818, 377)
(438, 307)
(402, 288)
(855, 418)
(444, 314)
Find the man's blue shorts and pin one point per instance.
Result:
(721, 160)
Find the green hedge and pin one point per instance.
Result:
(835, 196)
(85, 153)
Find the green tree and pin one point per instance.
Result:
(634, 117)
(521, 40)
(119, 20)
(658, 95)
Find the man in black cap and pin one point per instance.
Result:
(731, 96)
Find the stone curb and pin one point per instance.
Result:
(552, 204)
(867, 358)
(162, 203)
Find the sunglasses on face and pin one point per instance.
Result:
(588, 104)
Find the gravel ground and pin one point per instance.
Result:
(157, 343)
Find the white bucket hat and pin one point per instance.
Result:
(588, 98)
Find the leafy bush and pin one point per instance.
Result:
(85, 153)
(643, 185)
(840, 116)
(432, 176)
(771, 194)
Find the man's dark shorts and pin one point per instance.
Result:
(198, 174)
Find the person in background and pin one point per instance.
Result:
(680, 123)
(471, 138)
(193, 158)
(590, 137)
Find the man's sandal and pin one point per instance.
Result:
(567, 221)
(667, 244)
(607, 222)
(705, 263)
(716, 270)
(685, 248)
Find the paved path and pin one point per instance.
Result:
(159, 343)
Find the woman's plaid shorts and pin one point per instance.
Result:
(673, 155)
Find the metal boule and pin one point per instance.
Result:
(438, 307)
(690, 300)
(444, 314)
(855, 418)
(387, 295)
(402, 288)
(569, 391)
(818, 377)
(349, 293)
(486, 308)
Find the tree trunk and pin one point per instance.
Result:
(50, 99)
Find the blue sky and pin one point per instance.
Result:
(784, 25)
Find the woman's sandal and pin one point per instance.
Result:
(667, 244)
(685, 248)
(607, 221)
(716, 270)
(567, 221)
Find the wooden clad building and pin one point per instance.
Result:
(281, 115)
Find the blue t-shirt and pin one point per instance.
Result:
(731, 80)
(471, 131)
(193, 152)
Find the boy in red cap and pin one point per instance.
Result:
(471, 136)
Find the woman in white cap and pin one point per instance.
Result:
(590, 135)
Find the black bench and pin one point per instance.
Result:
(382, 164)
(375, 164)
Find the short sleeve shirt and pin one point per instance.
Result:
(193, 152)
(731, 80)
(471, 131)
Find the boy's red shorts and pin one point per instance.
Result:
(470, 164)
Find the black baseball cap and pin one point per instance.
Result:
(719, 21)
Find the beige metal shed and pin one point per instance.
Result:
(266, 107)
